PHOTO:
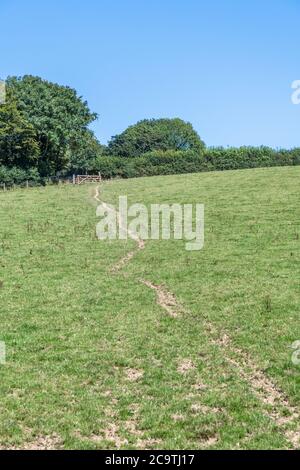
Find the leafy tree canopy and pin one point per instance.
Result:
(85, 149)
(58, 116)
(155, 134)
(18, 139)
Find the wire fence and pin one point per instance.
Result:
(47, 181)
(11, 185)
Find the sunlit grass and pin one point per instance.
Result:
(74, 330)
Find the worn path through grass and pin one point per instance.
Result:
(94, 357)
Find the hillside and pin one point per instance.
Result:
(170, 349)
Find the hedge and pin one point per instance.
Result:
(18, 176)
(170, 162)
(211, 159)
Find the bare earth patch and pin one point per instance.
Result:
(134, 374)
(148, 444)
(117, 267)
(294, 437)
(185, 366)
(199, 387)
(52, 442)
(165, 299)
(176, 417)
(209, 442)
(197, 408)
(111, 434)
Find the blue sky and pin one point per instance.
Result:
(226, 66)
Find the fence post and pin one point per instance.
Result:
(27, 184)
(74, 179)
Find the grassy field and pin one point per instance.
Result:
(93, 358)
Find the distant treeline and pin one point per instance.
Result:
(211, 159)
(44, 132)
(168, 163)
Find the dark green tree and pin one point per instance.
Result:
(156, 134)
(18, 139)
(85, 150)
(58, 116)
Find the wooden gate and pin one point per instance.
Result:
(80, 179)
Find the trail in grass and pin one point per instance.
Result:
(277, 406)
(140, 243)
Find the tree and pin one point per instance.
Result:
(155, 134)
(56, 113)
(18, 140)
(85, 150)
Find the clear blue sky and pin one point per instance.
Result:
(224, 65)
